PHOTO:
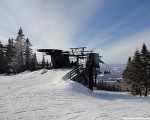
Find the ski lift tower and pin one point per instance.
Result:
(78, 53)
(60, 59)
(92, 63)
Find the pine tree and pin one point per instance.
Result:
(137, 83)
(10, 57)
(20, 51)
(148, 73)
(28, 55)
(33, 65)
(2, 59)
(145, 59)
(17, 56)
(128, 75)
(137, 73)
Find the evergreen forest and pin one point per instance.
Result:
(136, 75)
(17, 56)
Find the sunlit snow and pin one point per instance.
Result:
(48, 94)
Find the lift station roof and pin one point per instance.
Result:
(52, 51)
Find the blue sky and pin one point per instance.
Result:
(113, 28)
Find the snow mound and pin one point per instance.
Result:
(49, 94)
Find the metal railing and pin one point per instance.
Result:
(75, 71)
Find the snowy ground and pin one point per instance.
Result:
(49, 95)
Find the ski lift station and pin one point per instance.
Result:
(84, 72)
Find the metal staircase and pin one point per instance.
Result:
(72, 75)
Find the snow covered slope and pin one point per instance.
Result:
(49, 95)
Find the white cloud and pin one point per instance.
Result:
(48, 24)
(121, 50)
(55, 23)
(1, 37)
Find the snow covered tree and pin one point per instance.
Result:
(17, 56)
(20, 51)
(10, 57)
(25, 59)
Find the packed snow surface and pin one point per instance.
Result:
(49, 95)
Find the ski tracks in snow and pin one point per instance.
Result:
(49, 96)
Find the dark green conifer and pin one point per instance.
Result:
(145, 60)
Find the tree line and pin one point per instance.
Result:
(17, 56)
(103, 85)
(136, 75)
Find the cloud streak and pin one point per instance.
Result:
(48, 24)
(125, 47)
(61, 24)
